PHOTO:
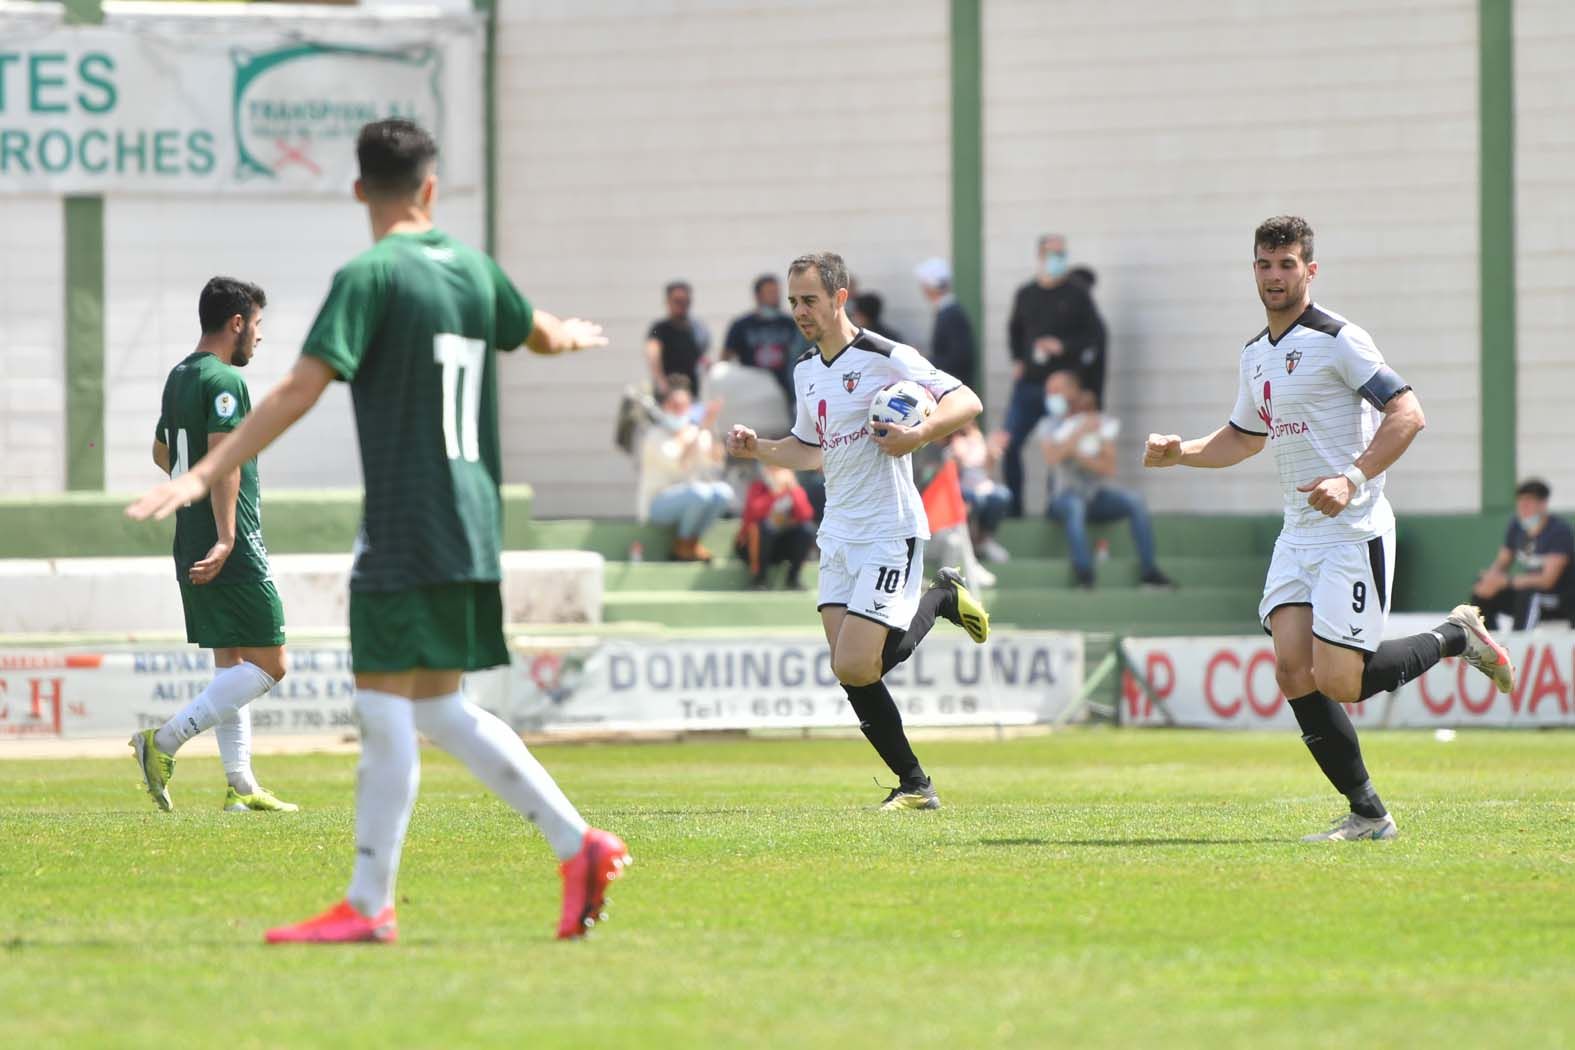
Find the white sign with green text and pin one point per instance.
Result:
(191, 108)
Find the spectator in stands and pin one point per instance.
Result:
(988, 500)
(1531, 579)
(766, 337)
(1091, 363)
(1053, 323)
(951, 340)
(678, 343)
(1079, 444)
(679, 459)
(778, 527)
(867, 312)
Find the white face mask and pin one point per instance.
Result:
(1056, 405)
(1532, 523)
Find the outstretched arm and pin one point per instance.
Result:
(1226, 447)
(285, 403)
(552, 335)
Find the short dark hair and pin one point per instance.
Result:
(870, 304)
(224, 297)
(678, 383)
(1282, 231)
(1535, 488)
(763, 280)
(676, 286)
(828, 266)
(395, 156)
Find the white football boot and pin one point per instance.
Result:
(1354, 826)
(1482, 652)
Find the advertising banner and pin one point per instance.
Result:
(562, 684)
(1229, 683)
(680, 683)
(221, 104)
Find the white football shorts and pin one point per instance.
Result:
(1347, 585)
(879, 580)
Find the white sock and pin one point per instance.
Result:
(231, 689)
(385, 791)
(498, 758)
(234, 734)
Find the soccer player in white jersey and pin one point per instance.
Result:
(873, 531)
(1314, 387)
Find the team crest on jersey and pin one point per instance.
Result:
(850, 380)
(1292, 359)
(224, 405)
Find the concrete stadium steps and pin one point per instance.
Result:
(1018, 574)
(1176, 534)
(1125, 611)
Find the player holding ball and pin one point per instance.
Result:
(873, 532)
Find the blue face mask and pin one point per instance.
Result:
(1056, 405)
(1055, 264)
(1531, 524)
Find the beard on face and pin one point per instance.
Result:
(243, 348)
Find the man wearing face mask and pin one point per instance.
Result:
(766, 337)
(1053, 326)
(1531, 579)
(1079, 444)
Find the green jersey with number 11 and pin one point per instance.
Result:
(411, 324)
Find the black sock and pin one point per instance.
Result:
(901, 644)
(1407, 659)
(1329, 735)
(881, 723)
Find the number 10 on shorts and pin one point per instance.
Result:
(463, 362)
(888, 580)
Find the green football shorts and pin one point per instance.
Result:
(233, 615)
(445, 626)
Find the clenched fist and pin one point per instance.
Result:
(742, 442)
(1162, 450)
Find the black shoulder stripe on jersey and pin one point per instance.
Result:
(1244, 430)
(806, 355)
(1255, 338)
(1318, 321)
(873, 342)
(1314, 319)
(1384, 387)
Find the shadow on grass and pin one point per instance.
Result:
(1128, 842)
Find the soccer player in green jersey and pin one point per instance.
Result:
(225, 586)
(411, 324)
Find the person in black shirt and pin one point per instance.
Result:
(865, 311)
(1531, 579)
(951, 340)
(677, 344)
(766, 337)
(1053, 324)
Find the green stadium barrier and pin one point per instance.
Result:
(92, 524)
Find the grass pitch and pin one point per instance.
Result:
(1089, 889)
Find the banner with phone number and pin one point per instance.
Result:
(563, 684)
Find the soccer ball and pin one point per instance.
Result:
(904, 402)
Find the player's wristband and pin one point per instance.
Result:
(1354, 475)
